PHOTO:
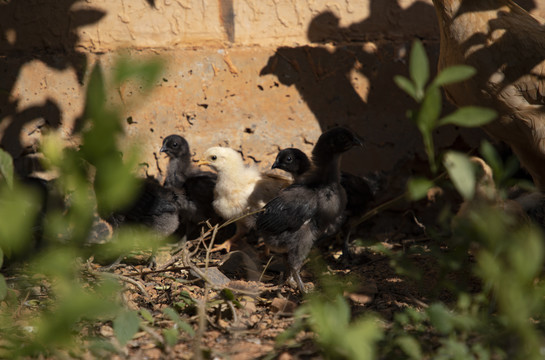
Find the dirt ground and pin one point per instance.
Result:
(245, 327)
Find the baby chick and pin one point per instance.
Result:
(311, 207)
(240, 189)
(197, 185)
(154, 206)
(359, 191)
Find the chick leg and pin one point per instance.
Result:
(347, 253)
(297, 256)
(227, 244)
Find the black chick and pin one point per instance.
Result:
(154, 206)
(293, 161)
(359, 191)
(197, 185)
(311, 207)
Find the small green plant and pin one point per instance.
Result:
(327, 315)
(503, 319)
(428, 117)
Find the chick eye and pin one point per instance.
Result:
(289, 159)
(175, 144)
(213, 157)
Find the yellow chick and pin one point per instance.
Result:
(240, 189)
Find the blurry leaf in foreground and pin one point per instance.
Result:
(419, 67)
(18, 211)
(173, 315)
(462, 173)
(418, 187)
(440, 318)
(410, 347)
(6, 167)
(339, 338)
(406, 85)
(469, 116)
(426, 118)
(3, 287)
(454, 74)
(126, 324)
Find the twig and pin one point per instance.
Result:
(197, 353)
(152, 333)
(147, 272)
(265, 268)
(118, 277)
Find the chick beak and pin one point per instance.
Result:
(358, 141)
(203, 162)
(163, 149)
(275, 165)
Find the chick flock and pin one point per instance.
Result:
(290, 212)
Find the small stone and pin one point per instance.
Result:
(283, 305)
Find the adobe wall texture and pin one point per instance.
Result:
(254, 75)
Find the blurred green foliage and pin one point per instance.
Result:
(51, 303)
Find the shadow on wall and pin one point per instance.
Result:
(36, 30)
(323, 75)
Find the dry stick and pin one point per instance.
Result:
(152, 333)
(265, 268)
(197, 353)
(118, 277)
(205, 235)
(147, 272)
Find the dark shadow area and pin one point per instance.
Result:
(325, 78)
(44, 31)
(378, 49)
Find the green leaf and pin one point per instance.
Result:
(96, 94)
(426, 118)
(440, 318)
(419, 67)
(410, 347)
(228, 294)
(462, 173)
(126, 324)
(18, 210)
(469, 116)
(6, 167)
(171, 336)
(418, 187)
(406, 85)
(146, 315)
(173, 315)
(454, 74)
(3, 288)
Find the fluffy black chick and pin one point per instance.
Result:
(311, 207)
(293, 161)
(154, 206)
(359, 191)
(197, 185)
